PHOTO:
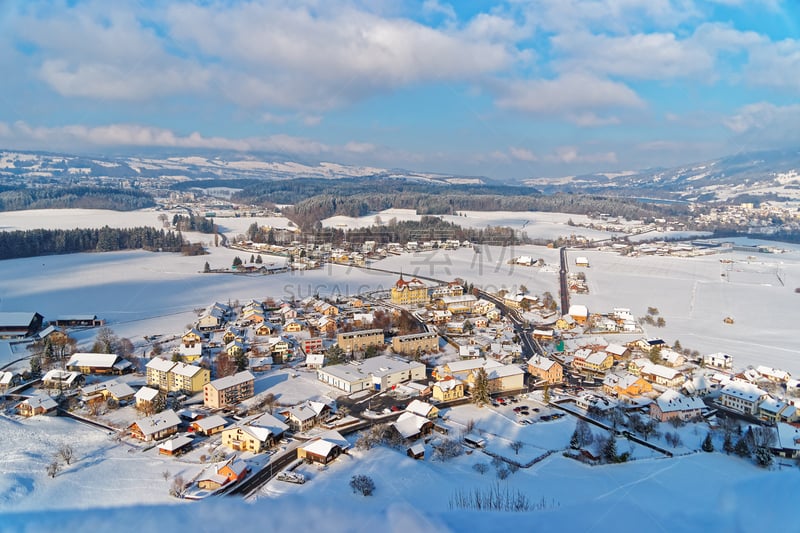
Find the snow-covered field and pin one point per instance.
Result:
(142, 293)
(537, 224)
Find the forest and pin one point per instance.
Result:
(31, 243)
(72, 197)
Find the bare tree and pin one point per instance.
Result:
(481, 468)
(165, 474)
(66, 452)
(516, 446)
(53, 469)
(363, 484)
(179, 487)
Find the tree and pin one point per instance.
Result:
(481, 468)
(259, 260)
(609, 451)
(447, 449)
(178, 487)
(655, 354)
(727, 444)
(648, 428)
(53, 468)
(157, 349)
(371, 437)
(742, 449)
(516, 446)
(363, 484)
(225, 365)
(335, 355)
(582, 436)
(105, 341)
(237, 261)
(763, 457)
(523, 289)
(546, 393)
(480, 389)
(708, 445)
(206, 268)
(66, 453)
(252, 258)
(125, 347)
(36, 365)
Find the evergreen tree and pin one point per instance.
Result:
(480, 388)
(574, 440)
(763, 457)
(546, 393)
(206, 267)
(727, 445)
(252, 259)
(610, 449)
(742, 449)
(259, 260)
(237, 261)
(708, 445)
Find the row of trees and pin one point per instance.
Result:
(193, 222)
(113, 198)
(31, 243)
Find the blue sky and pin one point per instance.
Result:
(504, 89)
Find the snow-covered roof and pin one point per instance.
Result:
(788, 437)
(744, 391)
(672, 401)
(175, 444)
(210, 422)
(182, 369)
(158, 422)
(321, 447)
(146, 394)
(41, 402)
(542, 363)
(232, 381)
(317, 358)
(419, 407)
(448, 384)
(160, 364)
(94, 360)
(409, 424)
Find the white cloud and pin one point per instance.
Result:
(359, 147)
(571, 155)
(762, 116)
(642, 55)
(571, 94)
(434, 7)
(137, 135)
(522, 154)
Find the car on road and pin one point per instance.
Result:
(396, 408)
(525, 422)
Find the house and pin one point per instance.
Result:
(672, 404)
(579, 313)
(458, 305)
(77, 321)
(145, 397)
(233, 334)
(113, 389)
(62, 379)
(625, 384)
(672, 358)
(228, 390)
(586, 359)
(656, 374)
(773, 374)
(232, 471)
(37, 405)
(787, 441)
(545, 369)
(360, 340)
(741, 397)
(17, 325)
(208, 425)
(315, 360)
(306, 415)
(235, 348)
(191, 353)
(416, 451)
(155, 427)
(718, 360)
(581, 261)
(178, 445)
(327, 325)
(255, 433)
(416, 343)
(423, 409)
(501, 377)
(211, 320)
(294, 326)
(98, 363)
(565, 323)
(411, 426)
(312, 345)
(411, 292)
(448, 389)
(264, 329)
(376, 373)
(10, 379)
(191, 337)
(260, 364)
(442, 317)
(618, 351)
(319, 451)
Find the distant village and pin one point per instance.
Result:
(397, 359)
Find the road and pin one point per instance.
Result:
(562, 275)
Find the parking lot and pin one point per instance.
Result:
(524, 410)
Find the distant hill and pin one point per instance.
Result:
(768, 174)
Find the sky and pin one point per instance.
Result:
(509, 90)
